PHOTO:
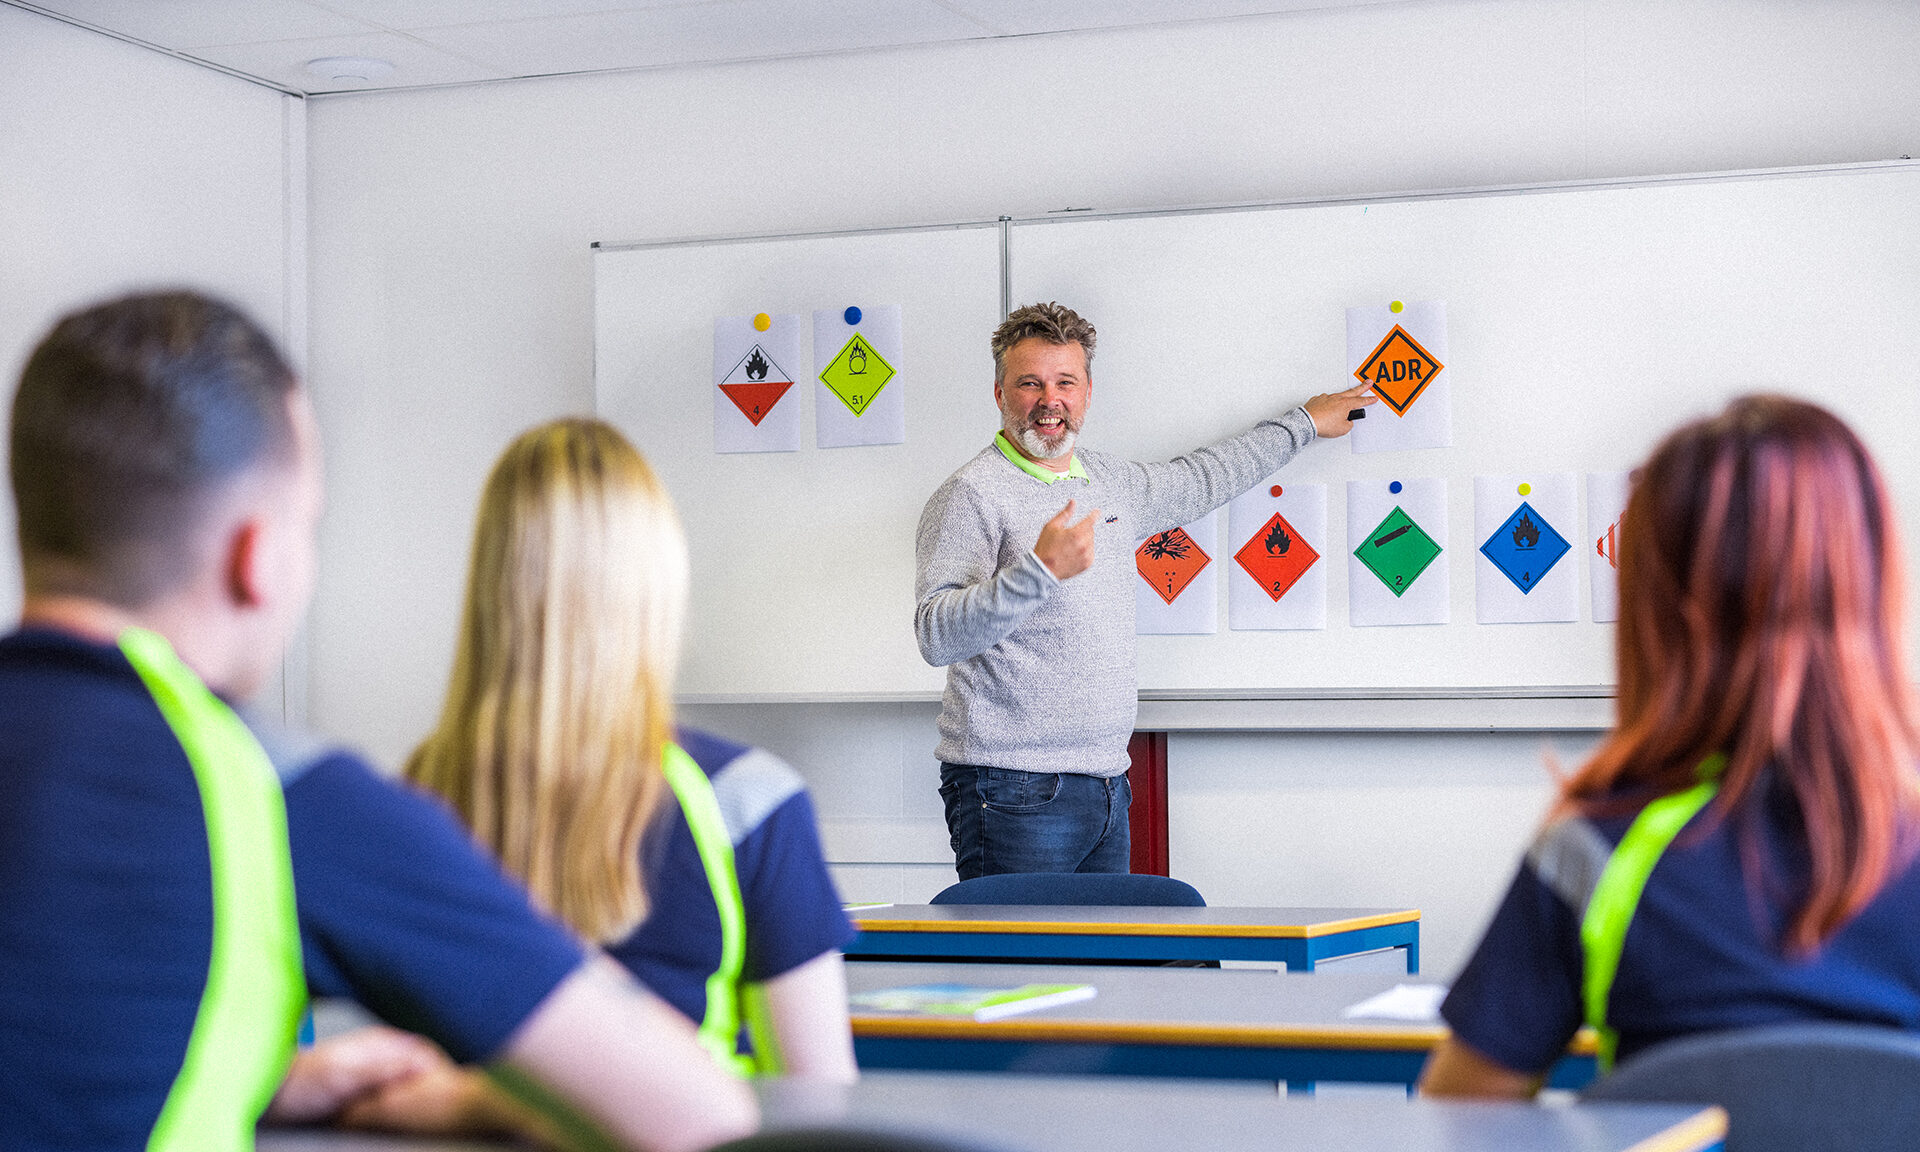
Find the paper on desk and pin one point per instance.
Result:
(1419, 1003)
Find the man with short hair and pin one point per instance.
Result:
(167, 899)
(1032, 611)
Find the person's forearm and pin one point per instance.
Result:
(959, 622)
(1191, 485)
(1456, 1069)
(629, 1064)
(808, 1006)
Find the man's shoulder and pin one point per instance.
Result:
(981, 469)
(750, 784)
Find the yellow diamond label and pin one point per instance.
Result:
(857, 374)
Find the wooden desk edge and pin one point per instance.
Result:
(1133, 928)
(1043, 1030)
(1701, 1130)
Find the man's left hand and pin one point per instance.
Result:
(327, 1077)
(1329, 409)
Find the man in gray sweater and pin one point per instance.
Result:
(1031, 609)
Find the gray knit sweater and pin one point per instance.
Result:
(1040, 672)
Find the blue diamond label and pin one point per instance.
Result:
(1525, 547)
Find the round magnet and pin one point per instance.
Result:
(1394, 487)
(1525, 489)
(853, 315)
(1395, 306)
(1274, 491)
(762, 322)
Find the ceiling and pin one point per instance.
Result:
(431, 42)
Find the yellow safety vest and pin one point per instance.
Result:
(727, 1002)
(1616, 895)
(243, 1032)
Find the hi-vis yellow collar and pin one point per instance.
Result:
(1038, 472)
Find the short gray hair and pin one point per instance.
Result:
(1053, 322)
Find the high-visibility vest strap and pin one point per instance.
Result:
(243, 1033)
(1616, 895)
(726, 1003)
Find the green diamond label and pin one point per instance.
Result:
(1397, 551)
(857, 374)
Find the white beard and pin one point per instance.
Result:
(1038, 448)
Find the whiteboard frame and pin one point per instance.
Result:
(1583, 707)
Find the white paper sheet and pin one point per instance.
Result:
(869, 405)
(1167, 564)
(1410, 374)
(1423, 592)
(1289, 555)
(751, 412)
(1524, 569)
(1417, 1003)
(1606, 501)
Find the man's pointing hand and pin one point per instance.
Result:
(1067, 549)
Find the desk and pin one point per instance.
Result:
(1065, 1114)
(1184, 1022)
(1297, 937)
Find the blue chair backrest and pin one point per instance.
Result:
(1112, 888)
(1802, 1087)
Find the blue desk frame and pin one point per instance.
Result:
(1299, 1066)
(1299, 953)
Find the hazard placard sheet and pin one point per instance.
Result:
(1277, 573)
(756, 407)
(1178, 590)
(1400, 351)
(1396, 552)
(1606, 503)
(860, 395)
(1524, 528)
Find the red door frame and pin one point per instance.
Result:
(1148, 820)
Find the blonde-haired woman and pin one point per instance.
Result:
(693, 861)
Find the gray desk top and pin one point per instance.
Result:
(1173, 1005)
(1105, 919)
(1070, 1114)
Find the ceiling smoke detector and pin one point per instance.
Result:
(361, 68)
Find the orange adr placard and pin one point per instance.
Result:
(1168, 561)
(1399, 369)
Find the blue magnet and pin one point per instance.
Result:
(1394, 487)
(853, 315)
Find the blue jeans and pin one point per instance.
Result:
(1004, 820)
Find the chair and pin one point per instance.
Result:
(847, 1140)
(1111, 888)
(1798, 1087)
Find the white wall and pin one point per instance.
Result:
(121, 168)
(451, 288)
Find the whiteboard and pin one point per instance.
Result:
(1583, 325)
(1584, 322)
(802, 562)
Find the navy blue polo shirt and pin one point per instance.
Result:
(106, 908)
(792, 909)
(1703, 951)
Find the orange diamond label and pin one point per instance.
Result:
(1168, 561)
(1276, 556)
(1399, 370)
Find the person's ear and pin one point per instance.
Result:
(997, 401)
(245, 563)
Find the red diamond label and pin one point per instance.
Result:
(1276, 556)
(756, 384)
(1168, 561)
(1399, 370)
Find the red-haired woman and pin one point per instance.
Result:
(1740, 849)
